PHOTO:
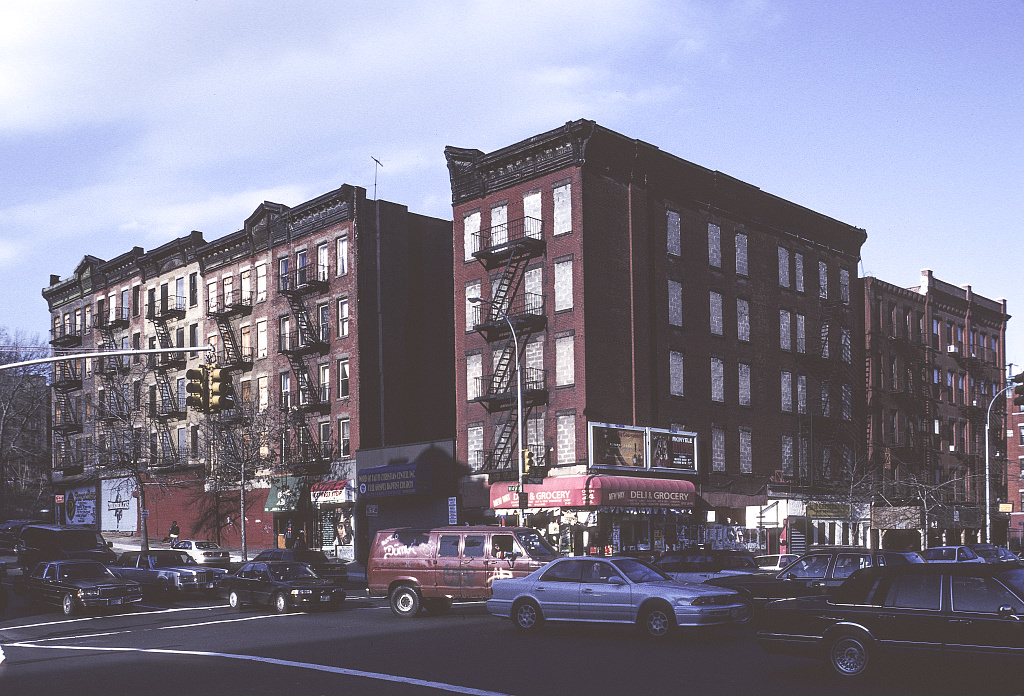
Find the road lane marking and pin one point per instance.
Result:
(440, 686)
(60, 622)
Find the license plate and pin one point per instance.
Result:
(325, 598)
(208, 585)
(116, 601)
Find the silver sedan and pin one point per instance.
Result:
(613, 590)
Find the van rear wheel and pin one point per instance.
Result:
(405, 601)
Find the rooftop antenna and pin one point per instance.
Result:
(376, 166)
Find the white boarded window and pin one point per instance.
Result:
(472, 309)
(746, 451)
(823, 280)
(714, 245)
(675, 303)
(533, 356)
(531, 209)
(470, 234)
(474, 371)
(801, 393)
(475, 444)
(785, 330)
(741, 254)
(716, 313)
(533, 283)
(565, 361)
(787, 454)
(675, 372)
(563, 209)
(798, 272)
(802, 456)
(717, 379)
(717, 448)
(786, 386)
(742, 320)
(783, 267)
(499, 225)
(743, 373)
(563, 285)
(801, 335)
(566, 434)
(844, 285)
(674, 238)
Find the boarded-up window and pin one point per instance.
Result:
(563, 209)
(673, 240)
(715, 301)
(714, 245)
(675, 367)
(675, 303)
(717, 380)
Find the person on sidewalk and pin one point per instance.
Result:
(174, 533)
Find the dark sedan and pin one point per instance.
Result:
(333, 569)
(973, 611)
(817, 572)
(280, 584)
(73, 585)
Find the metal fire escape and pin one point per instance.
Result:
(509, 248)
(308, 339)
(67, 378)
(233, 304)
(169, 405)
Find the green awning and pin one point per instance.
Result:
(284, 494)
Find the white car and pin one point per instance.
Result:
(951, 554)
(775, 561)
(204, 552)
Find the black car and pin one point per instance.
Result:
(9, 531)
(52, 542)
(973, 611)
(697, 565)
(333, 569)
(817, 572)
(283, 585)
(77, 584)
(995, 554)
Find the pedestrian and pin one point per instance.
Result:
(288, 535)
(300, 541)
(174, 533)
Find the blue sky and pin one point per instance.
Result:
(131, 123)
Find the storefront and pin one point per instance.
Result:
(284, 500)
(334, 505)
(603, 515)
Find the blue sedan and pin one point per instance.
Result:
(613, 590)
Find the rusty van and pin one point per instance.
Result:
(429, 568)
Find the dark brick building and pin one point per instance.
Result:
(690, 345)
(1015, 474)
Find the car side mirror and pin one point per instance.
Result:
(1006, 612)
(511, 557)
(110, 544)
(616, 580)
(789, 576)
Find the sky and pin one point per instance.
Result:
(126, 123)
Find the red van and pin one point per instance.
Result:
(428, 568)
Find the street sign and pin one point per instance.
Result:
(513, 488)
(59, 498)
(145, 514)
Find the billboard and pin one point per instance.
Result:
(630, 447)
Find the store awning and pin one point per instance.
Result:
(597, 491)
(332, 492)
(284, 494)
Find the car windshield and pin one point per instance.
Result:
(1014, 578)
(638, 571)
(292, 571)
(946, 553)
(536, 545)
(164, 560)
(206, 545)
(77, 571)
(987, 553)
(80, 539)
(311, 557)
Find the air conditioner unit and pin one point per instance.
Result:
(952, 448)
(951, 349)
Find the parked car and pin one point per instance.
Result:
(951, 554)
(991, 553)
(282, 585)
(77, 584)
(612, 590)
(204, 552)
(428, 568)
(775, 561)
(333, 569)
(694, 565)
(953, 610)
(816, 572)
(9, 531)
(52, 542)
(167, 571)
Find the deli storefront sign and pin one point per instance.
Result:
(597, 491)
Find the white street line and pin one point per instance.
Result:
(441, 686)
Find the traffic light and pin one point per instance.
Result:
(528, 462)
(532, 472)
(221, 394)
(1018, 391)
(198, 389)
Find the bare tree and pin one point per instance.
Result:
(24, 431)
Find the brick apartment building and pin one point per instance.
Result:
(692, 369)
(1015, 474)
(330, 317)
(935, 357)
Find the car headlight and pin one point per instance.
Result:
(706, 600)
(89, 592)
(302, 592)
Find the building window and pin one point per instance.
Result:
(846, 339)
(847, 405)
(474, 372)
(717, 380)
(741, 254)
(343, 378)
(193, 291)
(472, 308)
(743, 374)
(783, 267)
(823, 280)
(563, 285)
(798, 271)
(746, 451)
(787, 454)
(844, 285)
(785, 330)
(211, 296)
(286, 389)
(499, 225)
(566, 434)
(261, 282)
(322, 265)
(563, 209)
(323, 318)
(675, 369)
(263, 391)
(715, 301)
(475, 445)
(343, 317)
(674, 238)
(826, 399)
(565, 361)
(802, 455)
(532, 213)
(742, 320)
(344, 438)
(261, 339)
(194, 442)
(824, 339)
(786, 386)
(714, 245)
(717, 448)
(801, 340)
(675, 303)
(471, 234)
(801, 394)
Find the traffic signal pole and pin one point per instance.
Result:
(107, 353)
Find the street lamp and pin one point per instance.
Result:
(988, 482)
(519, 391)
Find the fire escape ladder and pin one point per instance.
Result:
(232, 353)
(168, 451)
(510, 280)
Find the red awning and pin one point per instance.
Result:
(597, 491)
(327, 492)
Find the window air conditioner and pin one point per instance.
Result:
(951, 349)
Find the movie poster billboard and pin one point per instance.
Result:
(673, 450)
(635, 448)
